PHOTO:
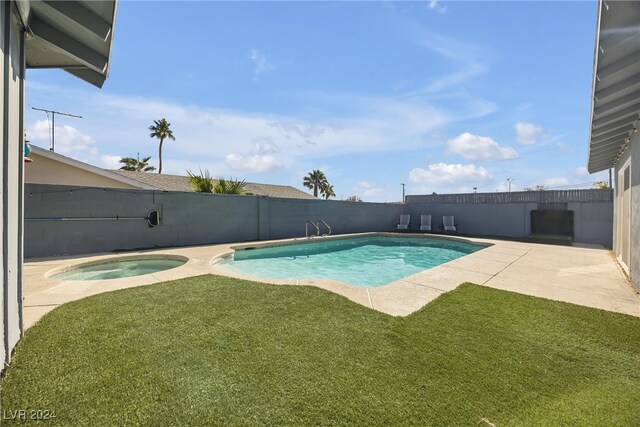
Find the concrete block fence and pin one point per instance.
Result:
(195, 218)
(186, 219)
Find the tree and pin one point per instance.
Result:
(353, 198)
(535, 188)
(133, 164)
(601, 185)
(316, 180)
(229, 186)
(201, 183)
(327, 191)
(161, 130)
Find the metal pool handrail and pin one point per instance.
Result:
(326, 225)
(306, 228)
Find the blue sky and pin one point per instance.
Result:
(443, 96)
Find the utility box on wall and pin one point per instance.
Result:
(552, 222)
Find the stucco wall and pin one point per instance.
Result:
(592, 220)
(633, 153)
(193, 218)
(491, 219)
(187, 218)
(287, 217)
(48, 171)
(635, 212)
(11, 123)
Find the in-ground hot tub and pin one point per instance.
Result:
(117, 268)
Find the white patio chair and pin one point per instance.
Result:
(404, 222)
(425, 222)
(449, 223)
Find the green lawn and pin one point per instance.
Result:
(214, 350)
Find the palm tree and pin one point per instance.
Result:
(133, 164)
(327, 191)
(161, 130)
(201, 183)
(229, 186)
(315, 181)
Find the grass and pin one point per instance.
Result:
(212, 350)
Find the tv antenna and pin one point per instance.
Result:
(53, 123)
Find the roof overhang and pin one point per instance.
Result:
(73, 35)
(615, 102)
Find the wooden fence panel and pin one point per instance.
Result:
(545, 196)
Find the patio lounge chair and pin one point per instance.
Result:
(404, 222)
(449, 223)
(425, 222)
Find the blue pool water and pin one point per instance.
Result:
(119, 269)
(362, 261)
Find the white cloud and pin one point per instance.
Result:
(476, 147)
(68, 140)
(377, 124)
(290, 129)
(563, 146)
(555, 181)
(204, 136)
(368, 190)
(469, 59)
(255, 163)
(450, 177)
(110, 162)
(264, 146)
(435, 5)
(581, 171)
(371, 192)
(581, 175)
(527, 133)
(260, 61)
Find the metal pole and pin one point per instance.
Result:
(53, 132)
(610, 179)
(510, 180)
(53, 123)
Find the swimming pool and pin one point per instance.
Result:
(119, 268)
(368, 261)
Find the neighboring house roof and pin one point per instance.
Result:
(615, 102)
(73, 35)
(181, 183)
(154, 181)
(158, 181)
(38, 151)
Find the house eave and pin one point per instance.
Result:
(615, 95)
(73, 35)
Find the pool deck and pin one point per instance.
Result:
(586, 276)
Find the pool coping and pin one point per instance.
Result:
(73, 266)
(331, 284)
(582, 275)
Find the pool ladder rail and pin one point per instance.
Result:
(317, 227)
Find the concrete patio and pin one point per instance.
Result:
(586, 276)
